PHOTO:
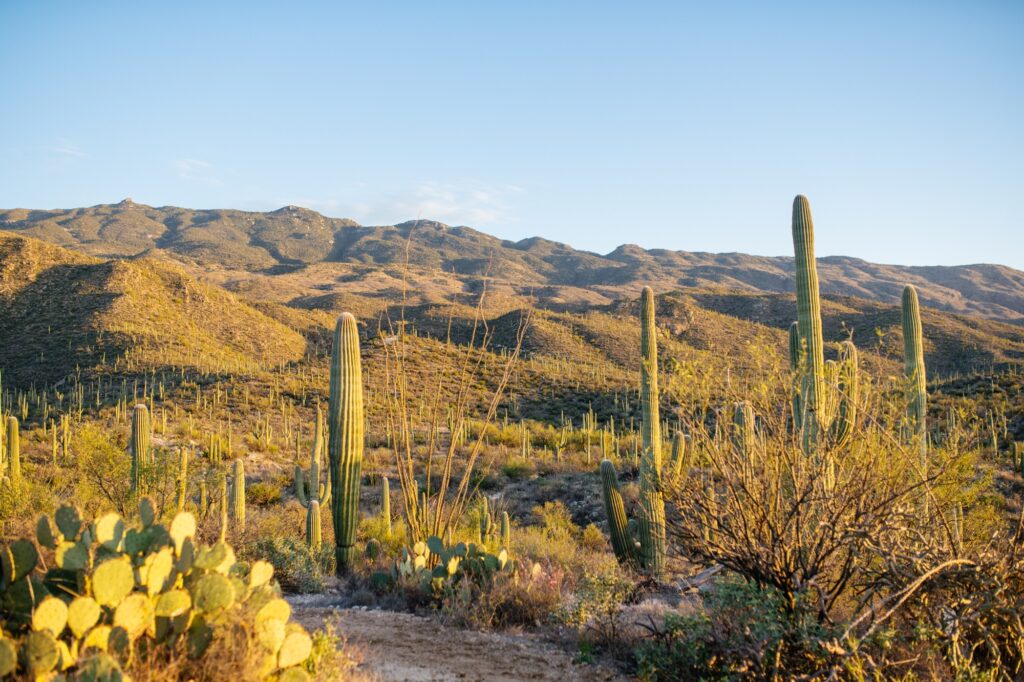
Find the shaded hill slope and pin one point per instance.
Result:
(60, 310)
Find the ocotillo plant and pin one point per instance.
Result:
(618, 524)
(13, 452)
(317, 494)
(345, 438)
(238, 495)
(652, 518)
(808, 310)
(139, 445)
(913, 369)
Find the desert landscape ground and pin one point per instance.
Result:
(535, 462)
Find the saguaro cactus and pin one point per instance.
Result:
(681, 455)
(385, 505)
(13, 452)
(652, 518)
(139, 445)
(913, 368)
(796, 366)
(182, 478)
(238, 495)
(345, 438)
(618, 524)
(848, 390)
(317, 494)
(808, 309)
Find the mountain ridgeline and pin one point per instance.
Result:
(555, 274)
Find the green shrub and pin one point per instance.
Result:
(298, 569)
(263, 494)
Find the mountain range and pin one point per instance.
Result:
(292, 243)
(127, 287)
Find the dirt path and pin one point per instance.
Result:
(400, 646)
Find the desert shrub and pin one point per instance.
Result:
(739, 634)
(297, 567)
(517, 468)
(263, 494)
(375, 528)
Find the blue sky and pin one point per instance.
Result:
(670, 125)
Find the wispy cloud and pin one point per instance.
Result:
(65, 148)
(196, 170)
(460, 203)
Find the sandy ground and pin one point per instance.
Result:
(401, 646)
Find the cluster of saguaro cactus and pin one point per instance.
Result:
(345, 438)
(913, 368)
(140, 445)
(315, 494)
(114, 592)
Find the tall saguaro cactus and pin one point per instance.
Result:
(140, 442)
(652, 518)
(345, 438)
(913, 368)
(315, 494)
(808, 310)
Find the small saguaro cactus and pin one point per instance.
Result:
(345, 438)
(182, 478)
(316, 494)
(681, 456)
(808, 309)
(848, 394)
(223, 482)
(140, 443)
(796, 366)
(385, 505)
(13, 452)
(651, 522)
(238, 494)
(506, 530)
(618, 523)
(913, 369)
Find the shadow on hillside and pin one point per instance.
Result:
(46, 327)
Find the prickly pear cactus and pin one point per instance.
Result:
(114, 591)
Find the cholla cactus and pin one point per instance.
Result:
(345, 438)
